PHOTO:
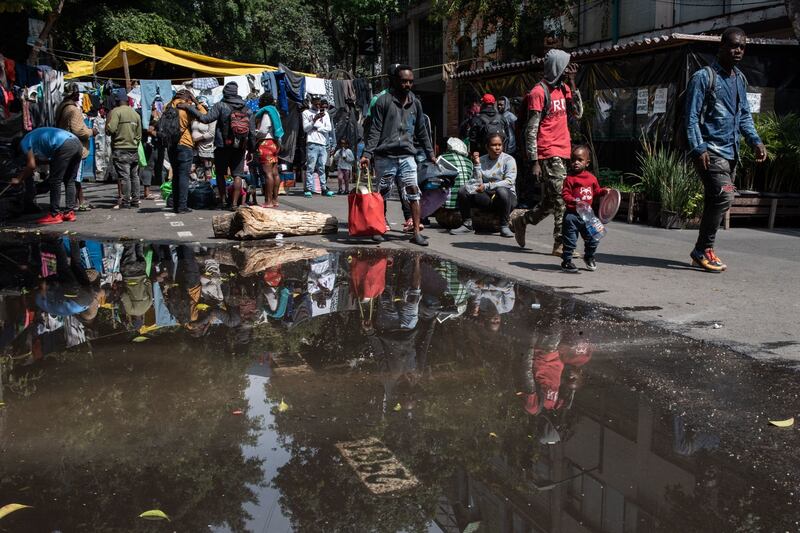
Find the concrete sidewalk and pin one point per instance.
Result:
(753, 308)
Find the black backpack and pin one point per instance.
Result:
(168, 128)
(482, 127)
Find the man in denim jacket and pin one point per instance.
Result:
(717, 112)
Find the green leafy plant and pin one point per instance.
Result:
(615, 179)
(781, 135)
(669, 178)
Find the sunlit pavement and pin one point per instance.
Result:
(643, 271)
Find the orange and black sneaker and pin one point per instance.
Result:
(50, 219)
(68, 216)
(706, 260)
(716, 259)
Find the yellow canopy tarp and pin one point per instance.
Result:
(138, 52)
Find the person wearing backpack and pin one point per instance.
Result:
(235, 135)
(174, 132)
(487, 123)
(717, 113)
(548, 142)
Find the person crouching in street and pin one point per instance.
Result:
(496, 175)
(716, 112)
(580, 186)
(124, 126)
(63, 151)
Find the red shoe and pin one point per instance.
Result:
(69, 216)
(50, 219)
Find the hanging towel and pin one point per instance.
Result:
(150, 89)
(315, 86)
(275, 117)
(241, 81)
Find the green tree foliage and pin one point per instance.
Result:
(302, 34)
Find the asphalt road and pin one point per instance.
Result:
(644, 272)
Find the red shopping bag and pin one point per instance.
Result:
(367, 276)
(365, 216)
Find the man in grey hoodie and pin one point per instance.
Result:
(397, 125)
(548, 141)
(235, 134)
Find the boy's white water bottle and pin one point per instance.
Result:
(593, 225)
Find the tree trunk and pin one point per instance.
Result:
(793, 10)
(33, 57)
(261, 223)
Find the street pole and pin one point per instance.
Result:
(127, 71)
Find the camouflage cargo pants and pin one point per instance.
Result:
(554, 170)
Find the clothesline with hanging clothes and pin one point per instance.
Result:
(440, 65)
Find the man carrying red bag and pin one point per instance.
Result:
(397, 123)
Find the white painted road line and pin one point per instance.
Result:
(183, 234)
(176, 224)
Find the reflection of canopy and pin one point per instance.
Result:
(137, 53)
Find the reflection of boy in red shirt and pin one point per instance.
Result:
(546, 367)
(580, 186)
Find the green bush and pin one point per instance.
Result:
(781, 135)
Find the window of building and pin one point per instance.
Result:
(703, 9)
(430, 44)
(398, 43)
(636, 16)
(593, 20)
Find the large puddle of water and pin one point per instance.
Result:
(298, 389)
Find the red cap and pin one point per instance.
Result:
(488, 99)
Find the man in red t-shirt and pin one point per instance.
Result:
(548, 142)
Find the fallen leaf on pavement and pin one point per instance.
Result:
(789, 422)
(11, 507)
(154, 514)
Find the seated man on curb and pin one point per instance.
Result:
(496, 173)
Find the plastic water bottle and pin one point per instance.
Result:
(471, 186)
(595, 228)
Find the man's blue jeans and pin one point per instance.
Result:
(316, 157)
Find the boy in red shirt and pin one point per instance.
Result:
(579, 186)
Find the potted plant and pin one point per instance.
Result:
(679, 190)
(654, 165)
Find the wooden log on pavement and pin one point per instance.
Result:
(253, 222)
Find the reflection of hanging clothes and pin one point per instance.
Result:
(150, 89)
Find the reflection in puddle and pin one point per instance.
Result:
(294, 388)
